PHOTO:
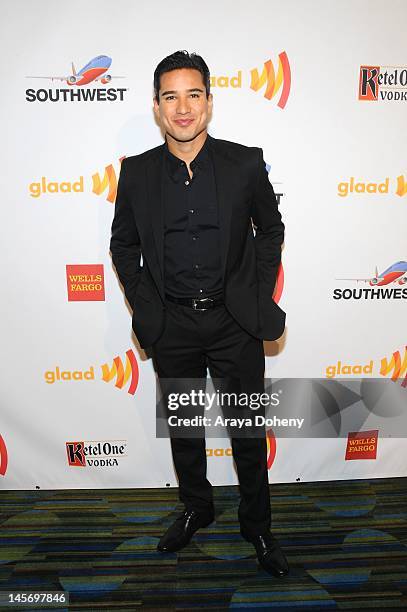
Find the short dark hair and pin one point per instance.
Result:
(181, 59)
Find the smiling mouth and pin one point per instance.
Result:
(183, 122)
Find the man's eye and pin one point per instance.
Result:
(170, 98)
(194, 95)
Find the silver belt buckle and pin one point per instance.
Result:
(197, 301)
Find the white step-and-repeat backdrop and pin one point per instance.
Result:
(322, 88)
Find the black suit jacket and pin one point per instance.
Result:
(249, 262)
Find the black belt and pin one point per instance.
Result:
(197, 303)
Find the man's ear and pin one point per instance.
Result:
(156, 107)
(210, 103)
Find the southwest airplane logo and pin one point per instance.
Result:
(93, 71)
(395, 273)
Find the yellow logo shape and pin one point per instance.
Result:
(109, 181)
(122, 374)
(395, 366)
(401, 186)
(272, 82)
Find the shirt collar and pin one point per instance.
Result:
(176, 167)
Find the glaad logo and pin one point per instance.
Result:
(117, 371)
(383, 83)
(352, 186)
(396, 274)
(401, 186)
(265, 78)
(346, 369)
(3, 457)
(108, 182)
(96, 453)
(219, 452)
(271, 447)
(100, 184)
(95, 71)
(123, 374)
(272, 82)
(396, 367)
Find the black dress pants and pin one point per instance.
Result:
(193, 341)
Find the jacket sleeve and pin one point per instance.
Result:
(125, 241)
(269, 230)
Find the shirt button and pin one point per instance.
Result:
(191, 210)
(196, 266)
(186, 183)
(194, 237)
(201, 291)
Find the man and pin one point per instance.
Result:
(203, 296)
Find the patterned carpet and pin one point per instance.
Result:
(346, 542)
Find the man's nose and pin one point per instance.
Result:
(183, 106)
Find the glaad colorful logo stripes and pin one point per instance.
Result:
(109, 181)
(121, 373)
(272, 82)
(401, 186)
(3, 457)
(271, 447)
(396, 367)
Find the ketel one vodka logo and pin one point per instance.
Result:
(383, 83)
(96, 453)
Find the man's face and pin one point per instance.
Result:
(183, 110)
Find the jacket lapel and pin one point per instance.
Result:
(225, 176)
(156, 209)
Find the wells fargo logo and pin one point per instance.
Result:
(362, 445)
(397, 186)
(85, 282)
(118, 372)
(264, 79)
(271, 447)
(383, 83)
(3, 457)
(396, 366)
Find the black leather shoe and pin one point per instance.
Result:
(269, 554)
(181, 531)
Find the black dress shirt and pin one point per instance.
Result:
(192, 260)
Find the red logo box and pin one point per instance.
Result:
(362, 445)
(75, 453)
(85, 283)
(368, 83)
